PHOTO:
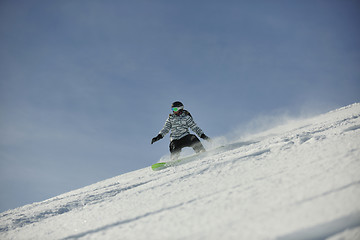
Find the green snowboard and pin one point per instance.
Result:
(163, 165)
(219, 149)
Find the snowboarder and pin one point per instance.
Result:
(179, 123)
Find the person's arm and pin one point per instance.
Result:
(163, 132)
(194, 127)
(166, 128)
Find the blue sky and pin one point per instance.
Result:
(85, 85)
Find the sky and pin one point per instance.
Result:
(85, 85)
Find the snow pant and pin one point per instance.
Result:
(187, 141)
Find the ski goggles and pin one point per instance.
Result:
(175, 109)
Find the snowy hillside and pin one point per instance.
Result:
(297, 181)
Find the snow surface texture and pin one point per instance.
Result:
(297, 181)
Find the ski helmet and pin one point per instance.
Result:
(177, 104)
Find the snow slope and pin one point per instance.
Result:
(297, 181)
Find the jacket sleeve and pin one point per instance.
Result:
(194, 127)
(166, 128)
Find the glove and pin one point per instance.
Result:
(203, 136)
(157, 138)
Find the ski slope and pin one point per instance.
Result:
(296, 181)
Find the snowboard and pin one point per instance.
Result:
(162, 165)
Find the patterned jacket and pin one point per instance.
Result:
(179, 126)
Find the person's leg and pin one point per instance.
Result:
(196, 145)
(187, 141)
(175, 149)
(192, 141)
